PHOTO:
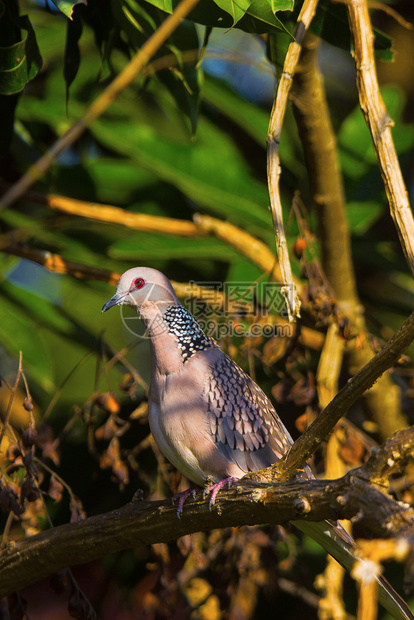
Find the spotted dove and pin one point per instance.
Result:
(207, 416)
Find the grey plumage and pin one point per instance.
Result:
(207, 416)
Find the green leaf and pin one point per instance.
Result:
(258, 18)
(72, 53)
(207, 32)
(193, 167)
(236, 9)
(243, 270)
(18, 332)
(33, 57)
(281, 5)
(66, 6)
(362, 215)
(19, 63)
(156, 247)
(249, 116)
(108, 180)
(135, 20)
(253, 119)
(182, 79)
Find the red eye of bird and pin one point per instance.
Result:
(138, 283)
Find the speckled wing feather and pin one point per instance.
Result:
(243, 422)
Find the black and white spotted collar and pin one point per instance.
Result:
(190, 337)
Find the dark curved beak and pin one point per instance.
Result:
(114, 301)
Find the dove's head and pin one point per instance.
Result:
(141, 287)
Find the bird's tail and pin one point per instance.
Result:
(337, 542)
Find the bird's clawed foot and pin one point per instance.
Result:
(212, 489)
(215, 488)
(182, 497)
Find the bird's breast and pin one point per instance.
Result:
(177, 422)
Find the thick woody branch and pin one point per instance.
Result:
(245, 503)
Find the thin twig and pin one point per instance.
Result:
(380, 6)
(273, 163)
(119, 356)
(111, 92)
(251, 247)
(298, 591)
(380, 124)
(58, 264)
(116, 215)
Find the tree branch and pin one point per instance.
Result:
(245, 503)
(273, 163)
(380, 124)
(115, 215)
(321, 428)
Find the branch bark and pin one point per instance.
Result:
(379, 123)
(246, 503)
(273, 163)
